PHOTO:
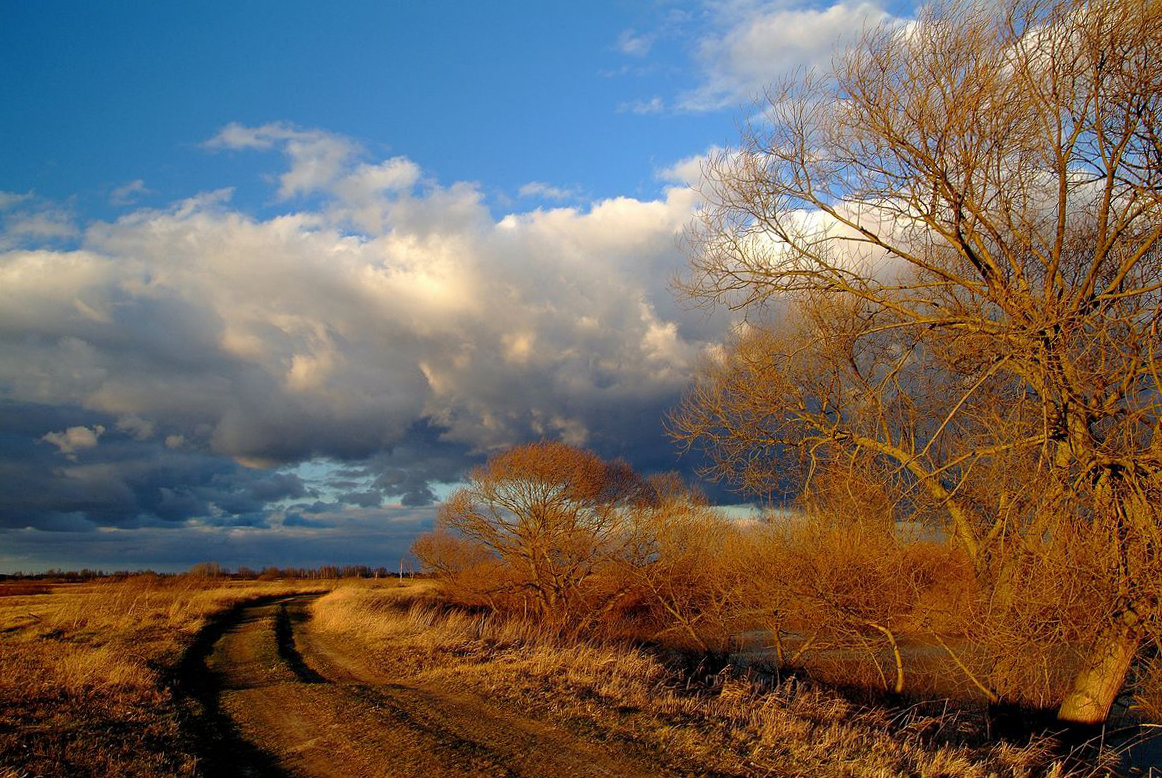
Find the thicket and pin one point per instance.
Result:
(835, 588)
(946, 252)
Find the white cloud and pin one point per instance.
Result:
(546, 191)
(317, 158)
(632, 44)
(394, 175)
(129, 193)
(140, 429)
(47, 223)
(9, 199)
(755, 44)
(688, 171)
(334, 330)
(237, 136)
(74, 439)
(643, 107)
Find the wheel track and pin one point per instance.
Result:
(317, 707)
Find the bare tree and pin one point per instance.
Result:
(688, 564)
(960, 225)
(554, 516)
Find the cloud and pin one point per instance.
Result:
(317, 158)
(689, 171)
(74, 439)
(9, 199)
(546, 191)
(337, 536)
(654, 105)
(124, 481)
(634, 45)
(129, 193)
(27, 220)
(753, 44)
(390, 322)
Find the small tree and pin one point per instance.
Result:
(554, 516)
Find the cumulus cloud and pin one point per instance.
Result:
(29, 221)
(317, 158)
(393, 322)
(689, 171)
(74, 439)
(752, 44)
(122, 482)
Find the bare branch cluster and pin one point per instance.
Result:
(947, 251)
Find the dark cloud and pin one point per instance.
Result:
(362, 499)
(342, 538)
(122, 481)
(189, 366)
(298, 520)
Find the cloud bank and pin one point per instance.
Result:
(174, 366)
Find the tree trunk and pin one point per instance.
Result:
(1097, 684)
(897, 658)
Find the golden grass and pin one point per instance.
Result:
(85, 672)
(725, 724)
(1148, 699)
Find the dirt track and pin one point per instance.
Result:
(314, 707)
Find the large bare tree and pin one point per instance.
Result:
(947, 250)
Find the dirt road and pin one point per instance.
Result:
(304, 704)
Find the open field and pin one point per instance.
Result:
(87, 672)
(370, 678)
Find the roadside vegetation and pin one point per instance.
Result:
(650, 600)
(87, 670)
(704, 722)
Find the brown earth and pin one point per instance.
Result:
(314, 706)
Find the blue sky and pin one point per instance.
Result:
(500, 93)
(273, 275)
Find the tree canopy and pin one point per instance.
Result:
(947, 253)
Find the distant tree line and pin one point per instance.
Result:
(214, 570)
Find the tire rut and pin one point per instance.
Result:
(316, 707)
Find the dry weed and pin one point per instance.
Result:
(725, 724)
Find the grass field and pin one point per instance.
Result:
(86, 672)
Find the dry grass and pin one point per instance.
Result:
(723, 724)
(1148, 700)
(85, 668)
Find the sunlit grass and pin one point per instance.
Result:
(86, 672)
(723, 723)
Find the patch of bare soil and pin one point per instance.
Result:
(317, 707)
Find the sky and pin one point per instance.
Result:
(275, 275)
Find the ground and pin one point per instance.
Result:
(316, 706)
